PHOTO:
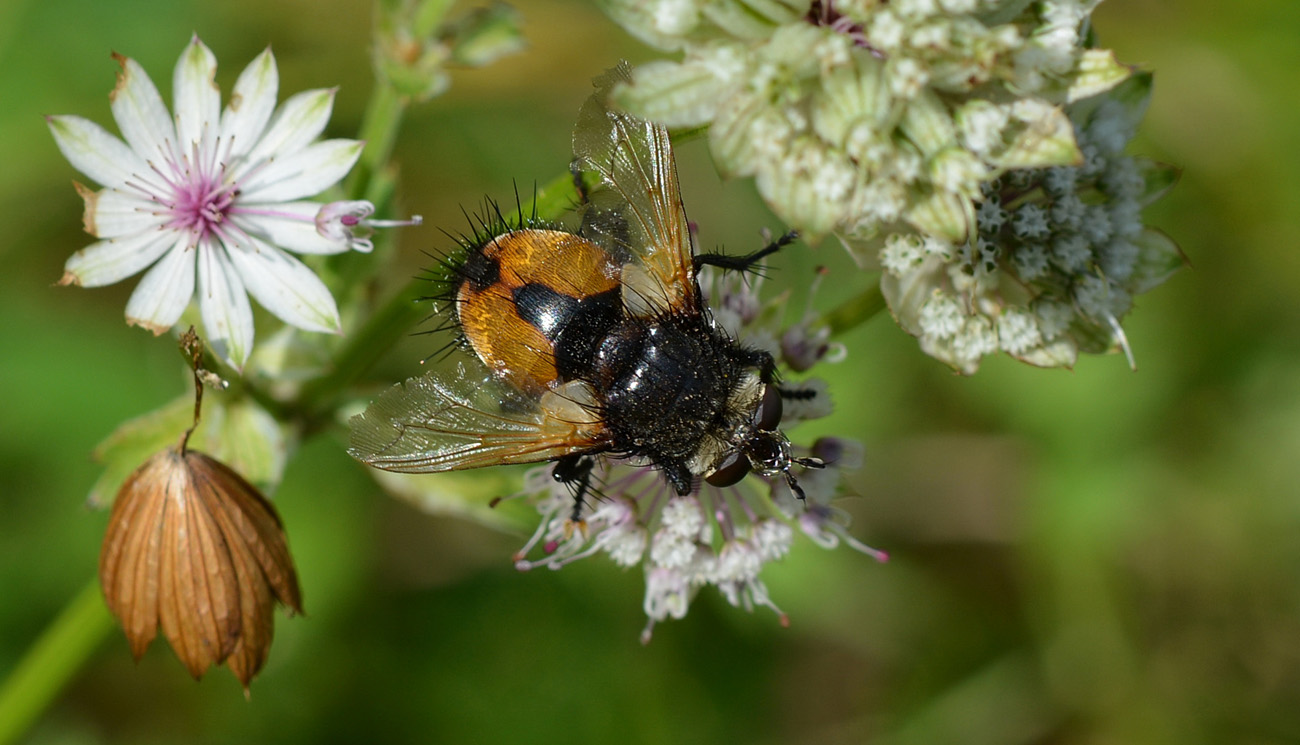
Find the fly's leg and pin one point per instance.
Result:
(746, 262)
(574, 471)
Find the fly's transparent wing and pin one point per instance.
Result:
(636, 212)
(449, 420)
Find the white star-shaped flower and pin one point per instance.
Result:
(209, 194)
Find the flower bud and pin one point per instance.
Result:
(193, 547)
(485, 35)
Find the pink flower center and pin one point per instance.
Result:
(196, 193)
(200, 203)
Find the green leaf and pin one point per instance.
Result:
(685, 94)
(928, 123)
(1158, 258)
(730, 138)
(942, 350)
(943, 215)
(485, 35)
(1047, 142)
(422, 80)
(1157, 179)
(851, 94)
(1135, 95)
(133, 442)
(235, 431)
(1097, 71)
(754, 19)
(906, 295)
(246, 438)
(1003, 12)
(643, 20)
(1062, 352)
(466, 495)
(1093, 338)
(864, 248)
(785, 185)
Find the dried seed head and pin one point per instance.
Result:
(193, 547)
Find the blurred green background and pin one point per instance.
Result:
(1096, 556)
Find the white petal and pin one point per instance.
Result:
(303, 174)
(166, 289)
(285, 286)
(141, 114)
(93, 151)
(198, 102)
(290, 226)
(250, 104)
(298, 121)
(110, 261)
(118, 213)
(223, 303)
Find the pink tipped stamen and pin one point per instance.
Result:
(229, 233)
(558, 562)
(223, 150)
(215, 162)
(150, 188)
(722, 516)
(875, 553)
(757, 595)
(535, 538)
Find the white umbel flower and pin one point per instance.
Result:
(715, 536)
(1057, 254)
(209, 196)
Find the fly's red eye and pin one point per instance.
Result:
(732, 471)
(769, 412)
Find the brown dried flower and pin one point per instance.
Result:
(193, 547)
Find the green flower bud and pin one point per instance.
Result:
(485, 35)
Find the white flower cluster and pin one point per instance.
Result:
(1057, 256)
(715, 536)
(856, 116)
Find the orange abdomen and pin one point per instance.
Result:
(520, 346)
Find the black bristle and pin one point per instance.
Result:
(451, 268)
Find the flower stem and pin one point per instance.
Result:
(855, 311)
(390, 323)
(49, 663)
(379, 127)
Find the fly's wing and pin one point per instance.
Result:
(636, 212)
(466, 418)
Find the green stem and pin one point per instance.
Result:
(855, 311)
(52, 661)
(428, 17)
(379, 127)
(383, 329)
